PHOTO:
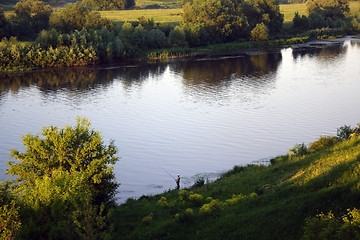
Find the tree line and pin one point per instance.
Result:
(76, 35)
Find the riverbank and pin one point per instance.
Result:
(255, 201)
(57, 58)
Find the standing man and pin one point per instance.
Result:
(178, 181)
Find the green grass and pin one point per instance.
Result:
(174, 15)
(159, 15)
(257, 202)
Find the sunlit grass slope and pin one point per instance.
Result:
(253, 202)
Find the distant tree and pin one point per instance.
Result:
(332, 9)
(76, 17)
(31, 16)
(4, 25)
(260, 32)
(231, 19)
(300, 24)
(108, 4)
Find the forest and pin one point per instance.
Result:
(37, 36)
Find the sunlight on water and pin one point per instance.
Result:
(194, 117)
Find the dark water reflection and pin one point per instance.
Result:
(196, 117)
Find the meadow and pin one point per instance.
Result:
(174, 14)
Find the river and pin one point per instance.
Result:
(193, 117)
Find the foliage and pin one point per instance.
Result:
(327, 226)
(210, 208)
(299, 149)
(199, 182)
(183, 194)
(10, 222)
(344, 132)
(332, 9)
(64, 182)
(147, 219)
(31, 16)
(322, 142)
(260, 32)
(163, 202)
(76, 17)
(4, 25)
(196, 198)
(109, 4)
(186, 217)
(228, 20)
(300, 24)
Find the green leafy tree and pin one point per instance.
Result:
(4, 25)
(76, 17)
(9, 214)
(260, 32)
(233, 19)
(31, 16)
(332, 9)
(64, 182)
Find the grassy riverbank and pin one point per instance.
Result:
(252, 202)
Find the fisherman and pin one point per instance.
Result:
(178, 181)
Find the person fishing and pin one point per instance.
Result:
(178, 181)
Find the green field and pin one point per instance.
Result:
(174, 15)
(159, 15)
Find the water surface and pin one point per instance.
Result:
(195, 117)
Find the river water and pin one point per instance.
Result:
(194, 117)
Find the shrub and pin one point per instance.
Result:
(199, 182)
(299, 149)
(187, 216)
(163, 202)
(327, 226)
(147, 219)
(184, 194)
(260, 32)
(322, 142)
(211, 208)
(196, 198)
(177, 37)
(344, 132)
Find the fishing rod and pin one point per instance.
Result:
(168, 173)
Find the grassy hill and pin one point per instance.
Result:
(252, 202)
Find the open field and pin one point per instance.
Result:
(159, 15)
(174, 15)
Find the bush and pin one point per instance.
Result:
(260, 32)
(147, 219)
(299, 149)
(196, 199)
(187, 216)
(344, 132)
(212, 207)
(183, 194)
(322, 142)
(199, 182)
(163, 202)
(327, 226)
